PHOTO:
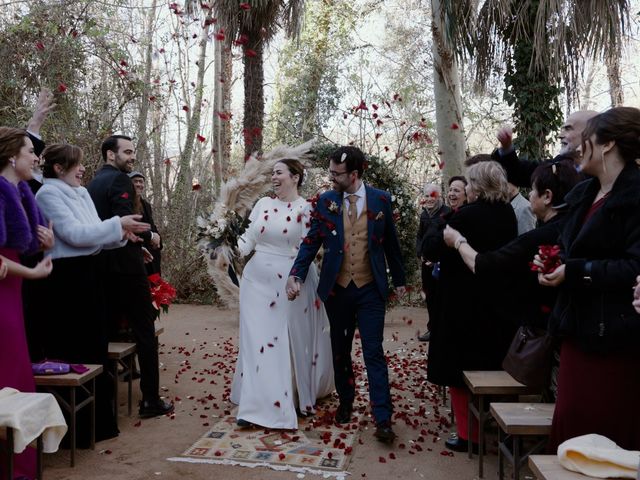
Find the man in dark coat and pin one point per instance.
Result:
(126, 284)
(519, 170)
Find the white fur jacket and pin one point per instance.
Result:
(78, 229)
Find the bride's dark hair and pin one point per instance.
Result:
(295, 168)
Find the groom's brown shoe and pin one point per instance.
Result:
(384, 432)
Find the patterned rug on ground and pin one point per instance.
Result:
(318, 446)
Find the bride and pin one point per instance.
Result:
(284, 361)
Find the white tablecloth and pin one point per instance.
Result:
(597, 456)
(31, 415)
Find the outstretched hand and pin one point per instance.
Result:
(132, 223)
(505, 137)
(43, 106)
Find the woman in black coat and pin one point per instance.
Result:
(431, 218)
(467, 333)
(599, 379)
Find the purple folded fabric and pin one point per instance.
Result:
(49, 367)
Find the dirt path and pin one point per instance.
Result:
(197, 355)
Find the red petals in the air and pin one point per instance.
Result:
(185, 108)
(241, 40)
(454, 126)
(276, 404)
(317, 303)
(550, 256)
(201, 138)
(281, 456)
(362, 106)
(382, 460)
(219, 35)
(39, 46)
(125, 195)
(250, 53)
(224, 116)
(245, 6)
(62, 87)
(195, 186)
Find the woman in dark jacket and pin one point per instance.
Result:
(467, 333)
(431, 218)
(599, 379)
(508, 268)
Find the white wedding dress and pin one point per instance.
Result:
(284, 359)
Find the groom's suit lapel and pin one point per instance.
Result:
(369, 208)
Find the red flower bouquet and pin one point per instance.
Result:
(550, 256)
(162, 292)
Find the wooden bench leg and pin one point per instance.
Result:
(9, 452)
(40, 445)
(115, 389)
(72, 437)
(93, 413)
(481, 422)
(516, 456)
(130, 383)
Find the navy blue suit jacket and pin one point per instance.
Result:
(327, 230)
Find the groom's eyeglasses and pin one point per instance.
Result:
(334, 174)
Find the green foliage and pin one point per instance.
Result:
(307, 93)
(70, 52)
(533, 97)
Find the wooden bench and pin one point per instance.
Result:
(547, 467)
(481, 384)
(518, 420)
(85, 381)
(122, 354)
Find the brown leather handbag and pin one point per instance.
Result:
(529, 357)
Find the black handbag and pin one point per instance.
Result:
(529, 357)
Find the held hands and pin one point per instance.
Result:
(450, 236)
(46, 236)
(505, 137)
(293, 287)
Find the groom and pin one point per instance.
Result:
(354, 224)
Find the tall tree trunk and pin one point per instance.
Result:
(222, 103)
(142, 148)
(447, 93)
(588, 84)
(217, 121)
(612, 60)
(253, 121)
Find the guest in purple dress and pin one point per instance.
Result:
(22, 231)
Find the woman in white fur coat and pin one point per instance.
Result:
(76, 330)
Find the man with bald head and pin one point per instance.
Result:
(519, 171)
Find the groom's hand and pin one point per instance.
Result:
(293, 287)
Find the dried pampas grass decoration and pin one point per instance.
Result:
(219, 231)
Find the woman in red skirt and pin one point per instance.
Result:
(599, 379)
